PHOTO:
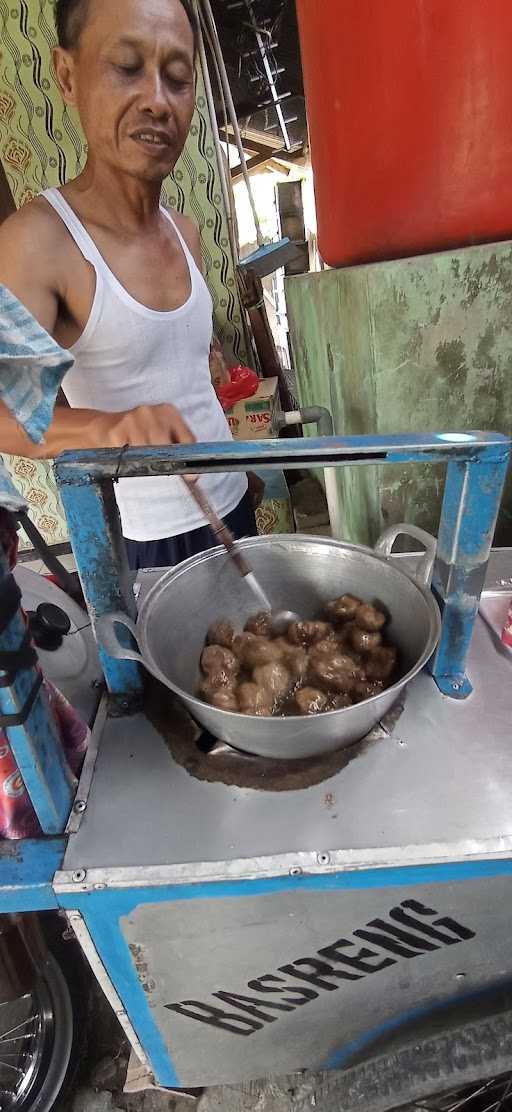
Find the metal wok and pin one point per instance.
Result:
(299, 573)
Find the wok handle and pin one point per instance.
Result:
(423, 573)
(105, 629)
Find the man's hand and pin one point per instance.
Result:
(147, 425)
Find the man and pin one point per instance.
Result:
(117, 280)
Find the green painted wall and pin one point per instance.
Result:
(413, 345)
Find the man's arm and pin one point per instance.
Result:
(27, 268)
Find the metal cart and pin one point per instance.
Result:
(357, 921)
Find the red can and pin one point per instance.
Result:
(506, 636)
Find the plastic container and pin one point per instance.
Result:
(409, 106)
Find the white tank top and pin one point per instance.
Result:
(129, 355)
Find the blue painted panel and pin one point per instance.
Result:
(102, 921)
(103, 910)
(342, 1057)
(27, 869)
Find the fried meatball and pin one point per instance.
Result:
(307, 633)
(260, 624)
(216, 660)
(275, 678)
(381, 663)
(343, 609)
(294, 658)
(366, 689)
(339, 702)
(335, 671)
(324, 648)
(344, 634)
(363, 641)
(370, 618)
(253, 699)
(220, 633)
(310, 701)
(253, 650)
(224, 698)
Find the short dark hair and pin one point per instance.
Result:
(71, 17)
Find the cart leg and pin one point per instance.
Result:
(471, 502)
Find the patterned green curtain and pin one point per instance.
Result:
(42, 145)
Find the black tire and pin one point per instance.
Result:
(43, 1032)
(36, 1042)
(424, 1074)
(437, 1073)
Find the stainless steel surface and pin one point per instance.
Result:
(442, 779)
(87, 773)
(299, 573)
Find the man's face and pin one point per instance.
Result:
(132, 79)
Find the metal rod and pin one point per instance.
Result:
(336, 451)
(232, 112)
(268, 71)
(218, 527)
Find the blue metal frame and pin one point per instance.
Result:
(100, 553)
(477, 466)
(35, 744)
(27, 869)
(104, 909)
(466, 531)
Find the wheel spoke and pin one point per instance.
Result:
(465, 1098)
(16, 1039)
(501, 1102)
(470, 1096)
(31, 1019)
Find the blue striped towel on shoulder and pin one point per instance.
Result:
(32, 367)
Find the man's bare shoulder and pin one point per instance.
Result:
(32, 259)
(35, 218)
(34, 238)
(190, 233)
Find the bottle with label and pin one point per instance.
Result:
(506, 636)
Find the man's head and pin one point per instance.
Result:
(71, 17)
(129, 68)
